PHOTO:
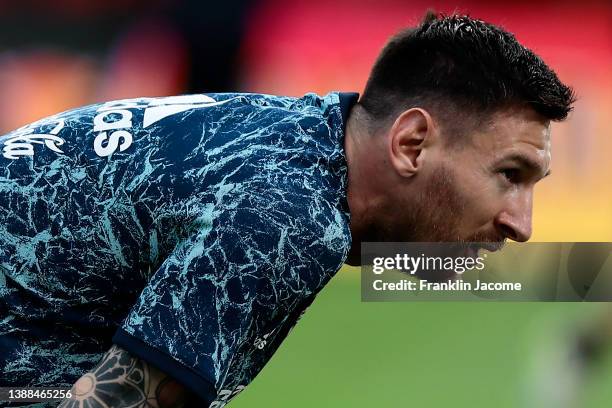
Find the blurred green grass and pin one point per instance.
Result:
(346, 353)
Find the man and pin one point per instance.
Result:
(188, 234)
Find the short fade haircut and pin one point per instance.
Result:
(459, 66)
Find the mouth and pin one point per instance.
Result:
(493, 246)
(472, 249)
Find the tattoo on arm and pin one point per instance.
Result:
(121, 380)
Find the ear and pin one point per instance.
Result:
(409, 136)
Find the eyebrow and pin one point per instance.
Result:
(525, 161)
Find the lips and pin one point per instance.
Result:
(471, 250)
(473, 253)
(493, 246)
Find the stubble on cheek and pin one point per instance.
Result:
(441, 209)
(432, 214)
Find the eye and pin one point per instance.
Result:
(512, 175)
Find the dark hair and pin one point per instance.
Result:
(460, 65)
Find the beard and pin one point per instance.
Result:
(433, 216)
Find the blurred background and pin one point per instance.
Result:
(344, 353)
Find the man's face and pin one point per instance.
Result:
(480, 190)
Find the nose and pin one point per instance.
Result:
(514, 221)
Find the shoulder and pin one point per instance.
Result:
(288, 220)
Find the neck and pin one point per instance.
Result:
(358, 149)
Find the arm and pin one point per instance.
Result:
(121, 380)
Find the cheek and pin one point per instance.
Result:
(475, 196)
(482, 200)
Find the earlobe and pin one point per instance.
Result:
(408, 138)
